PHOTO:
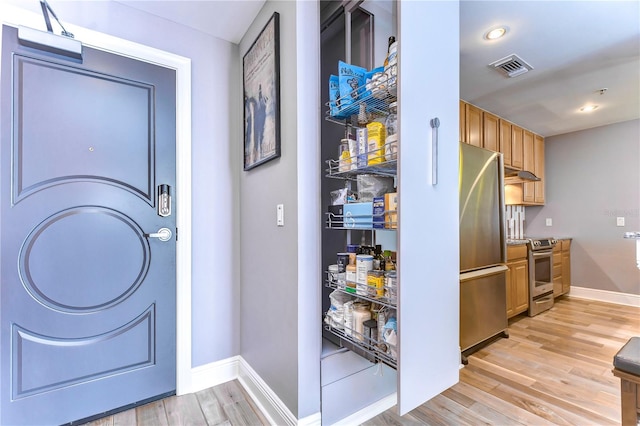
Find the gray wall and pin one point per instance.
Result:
(592, 177)
(215, 164)
(280, 276)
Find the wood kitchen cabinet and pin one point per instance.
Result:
(516, 147)
(528, 157)
(517, 280)
(562, 267)
(521, 149)
(557, 270)
(473, 125)
(566, 266)
(490, 131)
(529, 193)
(505, 141)
(538, 169)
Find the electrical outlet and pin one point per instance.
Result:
(548, 221)
(619, 221)
(280, 215)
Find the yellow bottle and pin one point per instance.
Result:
(376, 135)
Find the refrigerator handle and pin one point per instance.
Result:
(435, 123)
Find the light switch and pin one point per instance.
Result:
(548, 221)
(280, 215)
(619, 221)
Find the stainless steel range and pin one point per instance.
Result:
(540, 274)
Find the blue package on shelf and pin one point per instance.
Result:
(378, 212)
(358, 215)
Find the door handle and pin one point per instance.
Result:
(163, 234)
(435, 123)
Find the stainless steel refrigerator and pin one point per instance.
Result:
(483, 313)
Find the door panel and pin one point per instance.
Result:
(47, 363)
(428, 227)
(87, 321)
(103, 146)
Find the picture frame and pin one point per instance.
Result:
(261, 90)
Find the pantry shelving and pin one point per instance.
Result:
(374, 222)
(373, 105)
(427, 309)
(380, 351)
(389, 301)
(335, 169)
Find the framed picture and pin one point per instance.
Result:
(261, 87)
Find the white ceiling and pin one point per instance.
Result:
(224, 19)
(575, 47)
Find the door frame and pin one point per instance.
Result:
(15, 16)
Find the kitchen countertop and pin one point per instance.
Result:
(516, 242)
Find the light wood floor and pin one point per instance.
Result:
(226, 404)
(555, 368)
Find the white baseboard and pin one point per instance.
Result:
(605, 296)
(214, 374)
(271, 406)
(370, 411)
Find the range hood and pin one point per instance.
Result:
(518, 176)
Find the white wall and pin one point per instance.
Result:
(592, 177)
(215, 165)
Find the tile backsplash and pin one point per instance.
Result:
(514, 222)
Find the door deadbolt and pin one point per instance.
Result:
(163, 234)
(164, 200)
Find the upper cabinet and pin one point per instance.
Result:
(473, 125)
(505, 140)
(529, 165)
(538, 168)
(521, 149)
(517, 152)
(490, 131)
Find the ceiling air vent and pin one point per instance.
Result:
(511, 66)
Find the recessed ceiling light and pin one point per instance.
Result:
(588, 108)
(495, 33)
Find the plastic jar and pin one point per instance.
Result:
(350, 276)
(391, 286)
(361, 313)
(364, 264)
(333, 273)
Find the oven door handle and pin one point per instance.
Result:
(546, 253)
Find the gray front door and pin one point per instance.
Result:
(87, 296)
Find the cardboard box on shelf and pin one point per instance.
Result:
(358, 215)
(391, 207)
(378, 213)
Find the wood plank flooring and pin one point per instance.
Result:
(225, 405)
(554, 369)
